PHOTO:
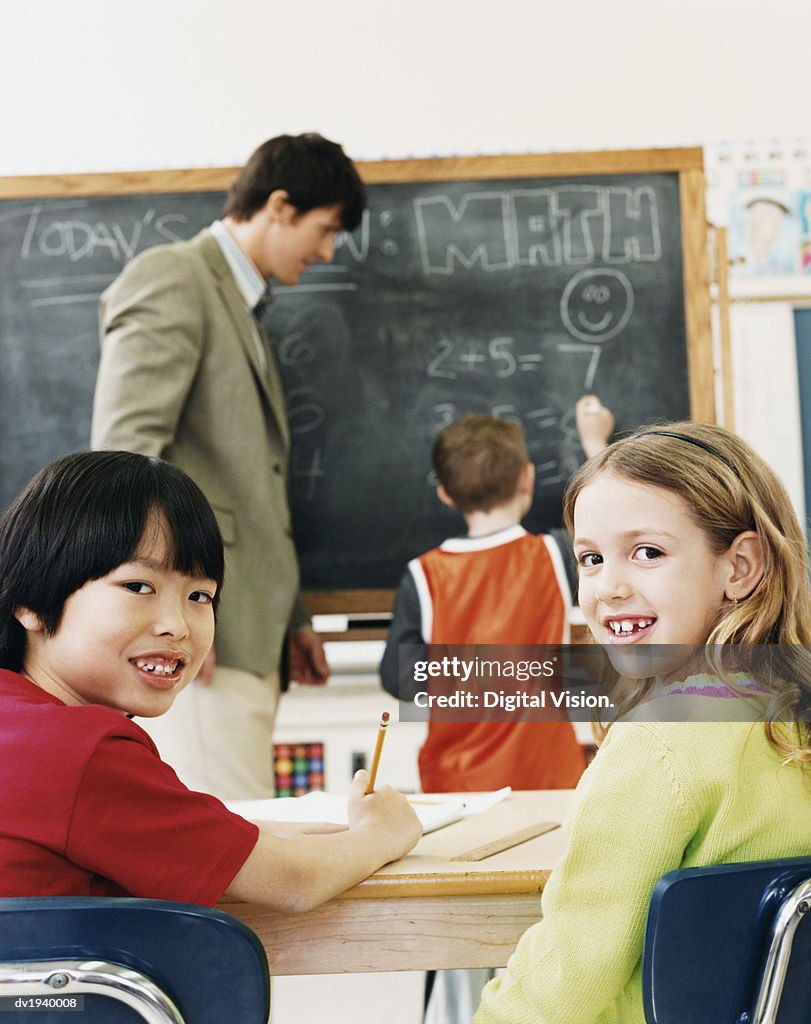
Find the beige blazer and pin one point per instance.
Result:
(181, 377)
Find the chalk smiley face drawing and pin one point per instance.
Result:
(596, 304)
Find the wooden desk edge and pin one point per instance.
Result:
(473, 883)
(478, 883)
(424, 912)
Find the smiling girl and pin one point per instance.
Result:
(111, 566)
(685, 540)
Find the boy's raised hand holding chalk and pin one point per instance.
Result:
(595, 423)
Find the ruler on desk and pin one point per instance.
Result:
(509, 841)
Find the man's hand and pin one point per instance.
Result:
(308, 663)
(594, 424)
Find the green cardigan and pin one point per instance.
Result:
(658, 796)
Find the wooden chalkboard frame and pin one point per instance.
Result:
(687, 163)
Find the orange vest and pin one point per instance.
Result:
(505, 588)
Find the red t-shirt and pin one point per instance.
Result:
(87, 808)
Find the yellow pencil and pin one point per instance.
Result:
(381, 735)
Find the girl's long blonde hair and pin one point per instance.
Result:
(728, 489)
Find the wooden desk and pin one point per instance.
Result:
(426, 911)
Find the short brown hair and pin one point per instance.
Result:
(312, 170)
(478, 460)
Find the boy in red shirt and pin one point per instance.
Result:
(111, 566)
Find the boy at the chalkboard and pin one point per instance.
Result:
(497, 585)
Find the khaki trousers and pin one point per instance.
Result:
(218, 738)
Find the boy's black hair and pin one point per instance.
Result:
(312, 170)
(83, 516)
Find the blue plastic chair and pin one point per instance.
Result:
(726, 945)
(128, 961)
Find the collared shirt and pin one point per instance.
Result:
(252, 286)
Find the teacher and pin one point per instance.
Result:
(187, 373)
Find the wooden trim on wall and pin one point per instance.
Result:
(374, 172)
(117, 183)
(696, 264)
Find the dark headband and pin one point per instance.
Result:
(694, 441)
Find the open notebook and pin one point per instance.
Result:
(433, 811)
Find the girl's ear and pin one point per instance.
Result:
(745, 555)
(29, 620)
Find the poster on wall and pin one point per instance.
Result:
(764, 231)
(762, 195)
(805, 232)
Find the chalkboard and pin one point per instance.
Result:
(502, 285)
(802, 330)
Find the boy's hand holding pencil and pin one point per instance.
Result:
(388, 812)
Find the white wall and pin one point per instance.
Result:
(105, 85)
(93, 85)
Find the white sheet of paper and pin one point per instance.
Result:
(477, 802)
(433, 809)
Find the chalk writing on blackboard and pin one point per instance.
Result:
(562, 226)
(508, 296)
(69, 236)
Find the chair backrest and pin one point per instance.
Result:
(727, 945)
(130, 960)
